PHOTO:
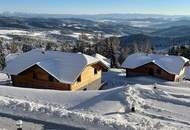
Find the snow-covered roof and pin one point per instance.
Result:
(171, 64)
(103, 59)
(9, 57)
(65, 67)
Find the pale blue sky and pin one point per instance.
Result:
(172, 7)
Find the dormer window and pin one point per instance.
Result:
(95, 71)
(79, 79)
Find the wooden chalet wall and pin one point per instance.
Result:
(41, 80)
(151, 69)
(36, 77)
(87, 77)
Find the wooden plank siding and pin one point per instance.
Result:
(151, 69)
(26, 79)
(87, 77)
(41, 79)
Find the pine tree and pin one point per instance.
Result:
(13, 48)
(2, 57)
(49, 46)
(110, 48)
(26, 47)
(135, 48)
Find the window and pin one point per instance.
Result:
(34, 75)
(158, 71)
(79, 79)
(95, 71)
(51, 78)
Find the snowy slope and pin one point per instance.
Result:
(109, 109)
(166, 104)
(64, 107)
(164, 108)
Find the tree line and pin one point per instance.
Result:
(182, 50)
(109, 47)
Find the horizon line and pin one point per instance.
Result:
(78, 14)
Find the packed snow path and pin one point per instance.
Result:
(8, 122)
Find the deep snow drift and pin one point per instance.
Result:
(165, 107)
(160, 108)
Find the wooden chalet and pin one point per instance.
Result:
(55, 70)
(163, 66)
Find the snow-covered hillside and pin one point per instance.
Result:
(6, 34)
(165, 107)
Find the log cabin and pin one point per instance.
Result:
(167, 67)
(55, 70)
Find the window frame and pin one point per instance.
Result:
(95, 71)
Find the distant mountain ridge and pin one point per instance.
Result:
(160, 31)
(174, 31)
(156, 41)
(93, 16)
(67, 24)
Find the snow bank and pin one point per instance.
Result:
(58, 113)
(107, 109)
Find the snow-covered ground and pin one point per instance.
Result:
(6, 34)
(140, 23)
(166, 107)
(116, 77)
(77, 35)
(5, 37)
(8, 122)
(13, 32)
